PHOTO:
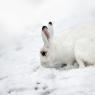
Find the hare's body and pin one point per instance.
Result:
(85, 52)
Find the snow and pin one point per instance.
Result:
(22, 74)
(20, 43)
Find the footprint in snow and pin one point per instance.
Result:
(43, 89)
(40, 86)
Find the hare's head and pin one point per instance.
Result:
(50, 54)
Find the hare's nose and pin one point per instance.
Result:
(43, 53)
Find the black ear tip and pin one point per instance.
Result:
(43, 27)
(50, 23)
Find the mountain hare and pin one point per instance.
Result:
(67, 49)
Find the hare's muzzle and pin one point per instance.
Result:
(43, 53)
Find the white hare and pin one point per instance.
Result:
(85, 52)
(55, 53)
(60, 52)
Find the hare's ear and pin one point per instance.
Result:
(50, 29)
(45, 35)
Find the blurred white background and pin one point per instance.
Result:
(18, 16)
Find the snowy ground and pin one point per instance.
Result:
(23, 75)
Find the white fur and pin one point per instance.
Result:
(51, 30)
(85, 51)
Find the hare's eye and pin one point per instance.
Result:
(43, 53)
